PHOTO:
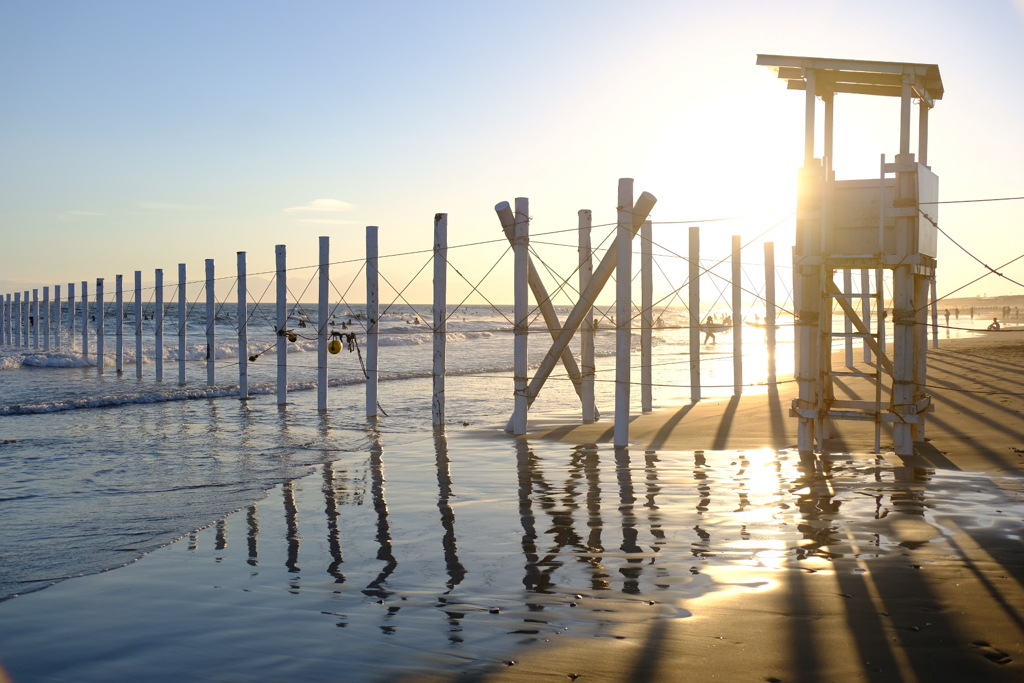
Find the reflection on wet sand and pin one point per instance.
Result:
(545, 541)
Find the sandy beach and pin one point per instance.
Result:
(704, 552)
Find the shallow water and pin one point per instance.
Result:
(442, 554)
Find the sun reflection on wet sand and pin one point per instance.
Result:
(401, 561)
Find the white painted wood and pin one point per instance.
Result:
(847, 323)
(693, 293)
(17, 319)
(119, 324)
(922, 289)
(5, 330)
(809, 96)
(44, 318)
(905, 101)
(242, 313)
(935, 313)
(646, 317)
(71, 317)
(138, 324)
(100, 331)
(922, 132)
(623, 310)
(440, 312)
(520, 285)
(373, 318)
(540, 294)
(211, 325)
(587, 356)
(322, 313)
(182, 322)
(34, 322)
(737, 317)
(85, 320)
(58, 327)
(158, 323)
(769, 308)
(26, 323)
(865, 307)
(280, 254)
(602, 274)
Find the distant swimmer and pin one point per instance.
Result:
(995, 325)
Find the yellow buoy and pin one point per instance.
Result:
(334, 346)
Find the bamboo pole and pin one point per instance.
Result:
(243, 327)
(211, 326)
(158, 323)
(520, 283)
(623, 310)
(138, 324)
(737, 318)
(182, 322)
(282, 324)
(324, 274)
(693, 292)
(587, 365)
(440, 316)
(646, 317)
(373, 319)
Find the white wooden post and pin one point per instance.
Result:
(6, 329)
(243, 328)
(934, 297)
(847, 323)
(865, 308)
(440, 315)
(17, 319)
(646, 317)
(623, 311)
(85, 320)
(71, 317)
(372, 318)
(520, 285)
(100, 332)
(182, 322)
(58, 326)
(587, 365)
(282, 325)
(211, 327)
(44, 318)
(737, 319)
(693, 292)
(138, 324)
(321, 321)
(769, 307)
(119, 325)
(158, 323)
(34, 319)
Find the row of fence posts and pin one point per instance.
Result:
(17, 315)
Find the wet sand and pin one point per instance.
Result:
(494, 559)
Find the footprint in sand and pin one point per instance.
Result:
(989, 651)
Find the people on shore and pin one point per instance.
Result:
(995, 325)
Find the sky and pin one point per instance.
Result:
(136, 136)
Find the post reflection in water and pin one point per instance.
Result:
(586, 458)
(633, 568)
(456, 572)
(533, 578)
(376, 588)
(253, 529)
(330, 490)
(291, 517)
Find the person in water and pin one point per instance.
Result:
(709, 330)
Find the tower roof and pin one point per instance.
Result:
(857, 76)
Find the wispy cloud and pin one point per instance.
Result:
(325, 221)
(322, 206)
(166, 206)
(75, 215)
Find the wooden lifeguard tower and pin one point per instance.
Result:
(869, 225)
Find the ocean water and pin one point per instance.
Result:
(100, 469)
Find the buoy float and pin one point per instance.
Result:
(334, 346)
